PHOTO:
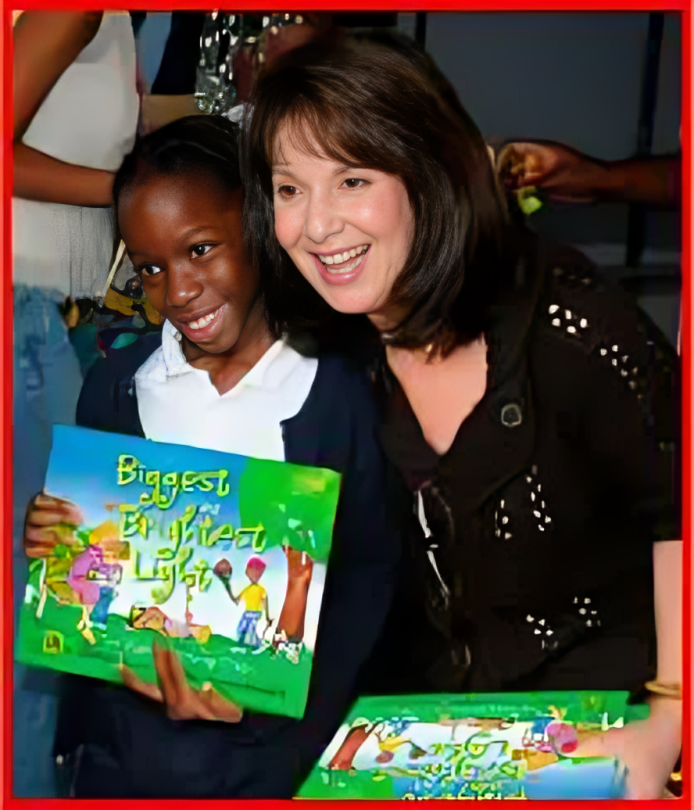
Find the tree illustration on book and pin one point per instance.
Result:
(223, 555)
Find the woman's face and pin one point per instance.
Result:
(348, 230)
(184, 237)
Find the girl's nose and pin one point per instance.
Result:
(182, 287)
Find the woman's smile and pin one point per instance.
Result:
(336, 270)
(341, 261)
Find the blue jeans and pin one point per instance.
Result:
(47, 382)
(248, 628)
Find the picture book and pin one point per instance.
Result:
(223, 556)
(474, 746)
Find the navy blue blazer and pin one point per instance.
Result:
(112, 743)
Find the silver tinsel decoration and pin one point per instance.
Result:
(222, 38)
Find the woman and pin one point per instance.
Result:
(222, 376)
(532, 412)
(75, 116)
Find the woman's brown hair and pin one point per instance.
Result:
(374, 100)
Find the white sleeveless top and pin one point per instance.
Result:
(89, 118)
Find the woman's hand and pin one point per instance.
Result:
(49, 522)
(649, 748)
(181, 700)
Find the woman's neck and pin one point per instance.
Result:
(442, 391)
(388, 319)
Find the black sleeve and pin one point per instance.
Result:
(107, 400)
(649, 458)
(631, 408)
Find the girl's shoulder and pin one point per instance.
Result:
(107, 398)
(346, 356)
(342, 382)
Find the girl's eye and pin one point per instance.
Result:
(200, 250)
(286, 191)
(354, 182)
(149, 269)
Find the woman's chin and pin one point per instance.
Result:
(350, 302)
(348, 307)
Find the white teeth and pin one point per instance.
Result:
(351, 266)
(338, 258)
(202, 322)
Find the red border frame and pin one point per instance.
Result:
(682, 6)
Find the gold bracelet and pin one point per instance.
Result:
(669, 690)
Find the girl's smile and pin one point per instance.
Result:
(202, 325)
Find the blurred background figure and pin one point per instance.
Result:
(608, 86)
(562, 174)
(75, 117)
(168, 50)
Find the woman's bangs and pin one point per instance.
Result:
(325, 131)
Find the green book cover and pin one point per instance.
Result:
(222, 555)
(472, 746)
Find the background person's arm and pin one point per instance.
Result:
(46, 43)
(564, 174)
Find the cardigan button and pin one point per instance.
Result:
(511, 415)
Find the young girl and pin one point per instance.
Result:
(220, 376)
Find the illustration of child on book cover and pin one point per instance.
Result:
(225, 556)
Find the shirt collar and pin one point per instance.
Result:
(260, 376)
(175, 362)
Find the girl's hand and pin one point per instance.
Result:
(649, 748)
(47, 524)
(181, 700)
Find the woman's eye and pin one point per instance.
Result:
(354, 182)
(200, 250)
(286, 191)
(149, 269)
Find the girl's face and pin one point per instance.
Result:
(348, 230)
(184, 237)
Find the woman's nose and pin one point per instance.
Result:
(182, 287)
(323, 218)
